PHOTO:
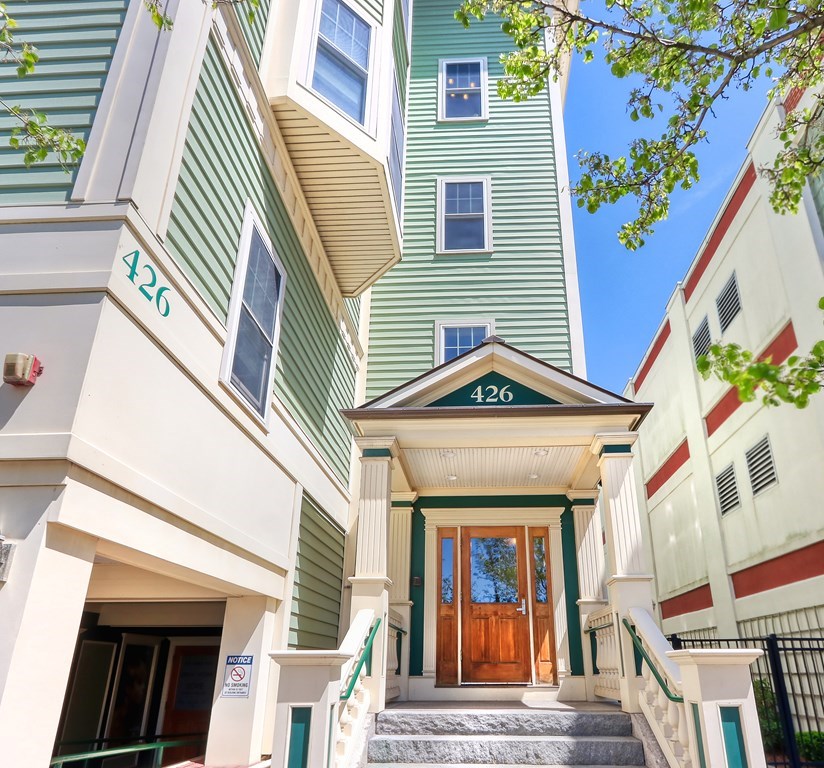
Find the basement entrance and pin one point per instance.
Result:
(500, 579)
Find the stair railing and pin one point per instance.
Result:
(661, 698)
(323, 700)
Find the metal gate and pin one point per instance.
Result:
(788, 683)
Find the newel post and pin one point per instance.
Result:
(718, 695)
(629, 583)
(371, 582)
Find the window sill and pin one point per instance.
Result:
(476, 252)
(461, 120)
(346, 116)
(232, 391)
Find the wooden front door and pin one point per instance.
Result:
(495, 620)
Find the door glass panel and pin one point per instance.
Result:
(494, 570)
(447, 569)
(539, 560)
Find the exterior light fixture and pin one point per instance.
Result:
(6, 554)
(532, 476)
(541, 452)
(451, 478)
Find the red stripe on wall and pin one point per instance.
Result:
(676, 459)
(795, 566)
(694, 600)
(793, 97)
(654, 351)
(733, 206)
(779, 349)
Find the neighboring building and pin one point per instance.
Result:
(732, 491)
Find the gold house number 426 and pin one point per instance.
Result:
(147, 282)
(492, 394)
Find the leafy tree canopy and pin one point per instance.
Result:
(681, 57)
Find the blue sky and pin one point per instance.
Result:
(624, 293)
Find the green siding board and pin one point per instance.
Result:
(254, 31)
(222, 167)
(316, 597)
(527, 260)
(399, 50)
(76, 42)
(373, 8)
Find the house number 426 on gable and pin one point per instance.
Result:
(143, 275)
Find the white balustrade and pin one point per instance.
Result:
(396, 630)
(332, 684)
(607, 653)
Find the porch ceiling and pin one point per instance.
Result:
(535, 467)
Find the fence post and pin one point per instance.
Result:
(675, 642)
(782, 699)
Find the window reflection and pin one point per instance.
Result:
(494, 570)
(539, 558)
(447, 571)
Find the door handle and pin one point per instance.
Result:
(522, 609)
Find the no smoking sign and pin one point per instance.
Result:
(237, 677)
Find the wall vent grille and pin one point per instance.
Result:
(727, 489)
(760, 465)
(701, 339)
(728, 303)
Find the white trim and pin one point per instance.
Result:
(483, 86)
(251, 221)
(441, 325)
(369, 124)
(573, 297)
(442, 181)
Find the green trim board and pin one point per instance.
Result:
(576, 651)
(300, 727)
(494, 390)
(699, 737)
(418, 559)
(616, 449)
(733, 733)
(376, 453)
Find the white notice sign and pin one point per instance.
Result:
(237, 677)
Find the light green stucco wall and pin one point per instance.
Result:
(222, 168)
(76, 42)
(521, 284)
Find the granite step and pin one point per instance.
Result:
(488, 749)
(503, 723)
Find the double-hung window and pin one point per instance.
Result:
(453, 338)
(463, 90)
(254, 316)
(341, 73)
(464, 215)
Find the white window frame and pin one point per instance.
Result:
(440, 229)
(368, 124)
(251, 222)
(442, 325)
(484, 87)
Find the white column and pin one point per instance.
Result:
(236, 730)
(629, 583)
(559, 609)
(430, 605)
(400, 548)
(40, 605)
(589, 550)
(371, 582)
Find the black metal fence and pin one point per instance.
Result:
(788, 682)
